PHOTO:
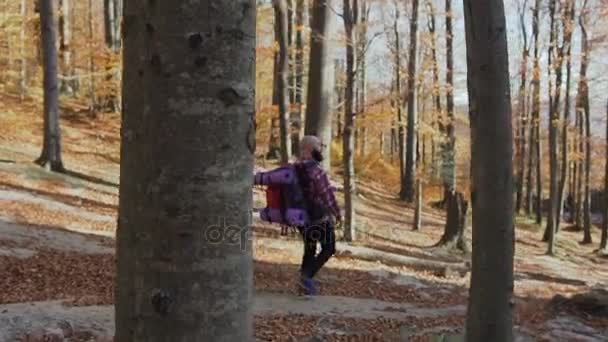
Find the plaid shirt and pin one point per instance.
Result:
(322, 190)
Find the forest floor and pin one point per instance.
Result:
(57, 256)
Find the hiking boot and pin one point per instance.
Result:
(307, 286)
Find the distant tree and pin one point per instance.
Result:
(281, 18)
(65, 33)
(522, 115)
(351, 19)
(92, 67)
(582, 106)
(409, 177)
(549, 234)
(492, 173)
(112, 21)
(604, 239)
(184, 265)
(449, 145)
(51, 148)
(568, 28)
(320, 79)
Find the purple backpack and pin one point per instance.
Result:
(285, 198)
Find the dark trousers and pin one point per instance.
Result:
(324, 235)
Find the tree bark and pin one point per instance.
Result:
(184, 259)
(361, 25)
(604, 238)
(299, 70)
(65, 31)
(92, 85)
(436, 120)
(280, 8)
(536, 115)
(418, 211)
(51, 148)
(522, 118)
(449, 164)
(492, 173)
(568, 27)
(400, 130)
(583, 108)
(348, 145)
(22, 36)
(112, 20)
(409, 177)
(549, 234)
(320, 80)
(453, 234)
(581, 165)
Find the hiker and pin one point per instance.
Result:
(323, 210)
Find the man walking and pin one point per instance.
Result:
(323, 211)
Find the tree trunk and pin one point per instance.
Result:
(320, 80)
(568, 28)
(409, 177)
(581, 165)
(522, 117)
(536, 115)
(51, 148)
(418, 210)
(583, 108)
(604, 238)
(453, 233)
(22, 36)
(348, 145)
(449, 146)
(400, 129)
(436, 120)
(112, 19)
(280, 8)
(65, 31)
(92, 86)
(362, 71)
(549, 234)
(184, 262)
(491, 160)
(299, 70)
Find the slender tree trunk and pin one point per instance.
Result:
(552, 122)
(291, 51)
(408, 182)
(536, 115)
(51, 148)
(92, 86)
(350, 20)
(112, 19)
(400, 129)
(280, 8)
(449, 164)
(418, 211)
(184, 262)
(436, 120)
(320, 80)
(522, 118)
(65, 47)
(568, 28)
(604, 238)
(581, 165)
(491, 160)
(22, 36)
(299, 70)
(362, 72)
(583, 108)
